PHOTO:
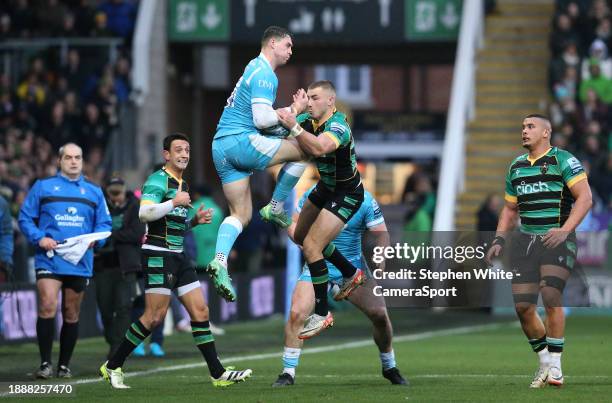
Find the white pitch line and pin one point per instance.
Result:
(314, 350)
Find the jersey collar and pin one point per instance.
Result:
(180, 181)
(262, 57)
(77, 180)
(531, 161)
(317, 124)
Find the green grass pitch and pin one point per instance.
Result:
(452, 356)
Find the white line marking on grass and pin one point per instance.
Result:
(314, 350)
(436, 376)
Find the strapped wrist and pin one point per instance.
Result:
(499, 240)
(296, 130)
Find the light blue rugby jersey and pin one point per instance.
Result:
(258, 84)
(348, 241)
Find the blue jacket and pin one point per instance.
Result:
(59, 208)
(6, 233)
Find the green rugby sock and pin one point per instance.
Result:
(206, 344)
(136, 334)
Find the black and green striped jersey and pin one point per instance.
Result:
(169, 231)
(338, 169)
(541, 188)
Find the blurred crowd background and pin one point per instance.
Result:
(60, 93)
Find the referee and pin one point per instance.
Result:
(548, 189)
(56, 208)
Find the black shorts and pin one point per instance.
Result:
(76, 283)
(165, 271)
(342, 203)
(528, 254)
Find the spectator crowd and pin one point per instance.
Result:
(60, 93)
(580, 78)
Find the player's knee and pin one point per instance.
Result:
(199, 313)
(524, 309)
(297, 317)
(47, 307)
(310, 248)
(551, 297)
(154, 319)
(71, 314)
(379, 317)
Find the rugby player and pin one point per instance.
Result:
(324, 134)
(164, 207)
(368, 218)
(548, 189)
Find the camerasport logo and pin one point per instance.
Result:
(70, 219)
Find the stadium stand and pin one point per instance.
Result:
(63, 92)
(65, 75)
(580, 77)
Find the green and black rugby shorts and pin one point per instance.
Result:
(165, 271)
(343, 203)
(528, 254)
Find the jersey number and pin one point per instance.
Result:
(230, 100)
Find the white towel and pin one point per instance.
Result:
(73, 249)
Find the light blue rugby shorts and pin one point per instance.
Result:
(236, 156)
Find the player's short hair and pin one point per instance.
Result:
(545, 118)
(174, 136)
(62, 149)
(325, 84)
(274, 32)
(539, 116)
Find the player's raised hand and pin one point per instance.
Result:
(204, 216)
(300, 101)
(182, 199)
(286, 118)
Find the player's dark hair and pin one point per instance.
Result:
(325, 84)
(539, 116)
(274, 32)
(174, 136)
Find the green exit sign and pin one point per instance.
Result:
(432, 20)
(199, 20)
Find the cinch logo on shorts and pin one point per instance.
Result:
(525, 189)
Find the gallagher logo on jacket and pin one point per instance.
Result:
(70, 219)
